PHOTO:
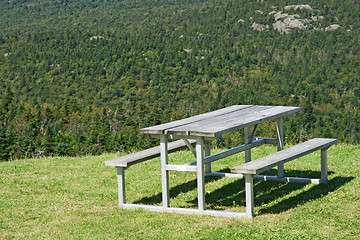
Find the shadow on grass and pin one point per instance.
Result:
(175, 191)
(265, 192)
(315, 192)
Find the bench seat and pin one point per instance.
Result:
(259, 165)
(141, 156)
(251, 169)
(122, 163)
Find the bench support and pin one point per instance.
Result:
(247, 140)
(164, 172)
(121, 185)
(200, 172)
(207, 153)
(324, 171)
(249, 194)
(280, 143)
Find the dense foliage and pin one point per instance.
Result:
(81, 77)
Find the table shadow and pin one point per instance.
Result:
(265, 192)
(174, 191)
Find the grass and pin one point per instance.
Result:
(76, 198)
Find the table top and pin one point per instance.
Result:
(219, 122)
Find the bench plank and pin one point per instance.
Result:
(160, 129)
(259, 165)
(141, 156)
(216, 127)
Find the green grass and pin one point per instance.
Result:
(76, 198)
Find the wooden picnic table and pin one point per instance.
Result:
(199, 131)
(205, 127)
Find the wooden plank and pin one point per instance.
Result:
(121, 185)
(164, 174)
(141, 156)
(280, 143)
(247, 140)
(191, 128)
(160, 129)
(215, 127)
(286, 155)
(249, 195)
(200, 172)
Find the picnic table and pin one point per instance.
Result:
(200, 130)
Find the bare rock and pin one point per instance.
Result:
(96, 38)
(259, 27)
(333, 27)
(272, 13)
(299, 7)
(281, 27)
(295, 24)
(280, 15)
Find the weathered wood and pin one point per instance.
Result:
(249, 195)
(207, 153)
(214, 124)
(121, 185)
(138, 157)
(200, 172)
(160, 129)
(191, 128)
(164, 172)
(233, 121)
(324, 171)
(247, 141)
(259, 165)
(280, 143)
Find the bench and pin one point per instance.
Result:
(122, 163)
(251, 169)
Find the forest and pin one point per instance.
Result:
(80, 77)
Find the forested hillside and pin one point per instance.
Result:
(81, 77)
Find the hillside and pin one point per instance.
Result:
(81, 77)
(76, 198)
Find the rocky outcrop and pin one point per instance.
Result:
(286, 21)
(259, 27)
(333, 27)
(299, 7)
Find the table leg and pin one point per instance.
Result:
(247, 135)
(280, 143)
(324, 172)
(121, 185)
(200, 172)
(207, 153)
(249, 194)
(164, 172)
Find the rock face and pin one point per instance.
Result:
(289, 22)
(333, 27)
(299, 7)
(285, 22)
(96, 38)
(259, 27)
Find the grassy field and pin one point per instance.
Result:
(76, 198)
